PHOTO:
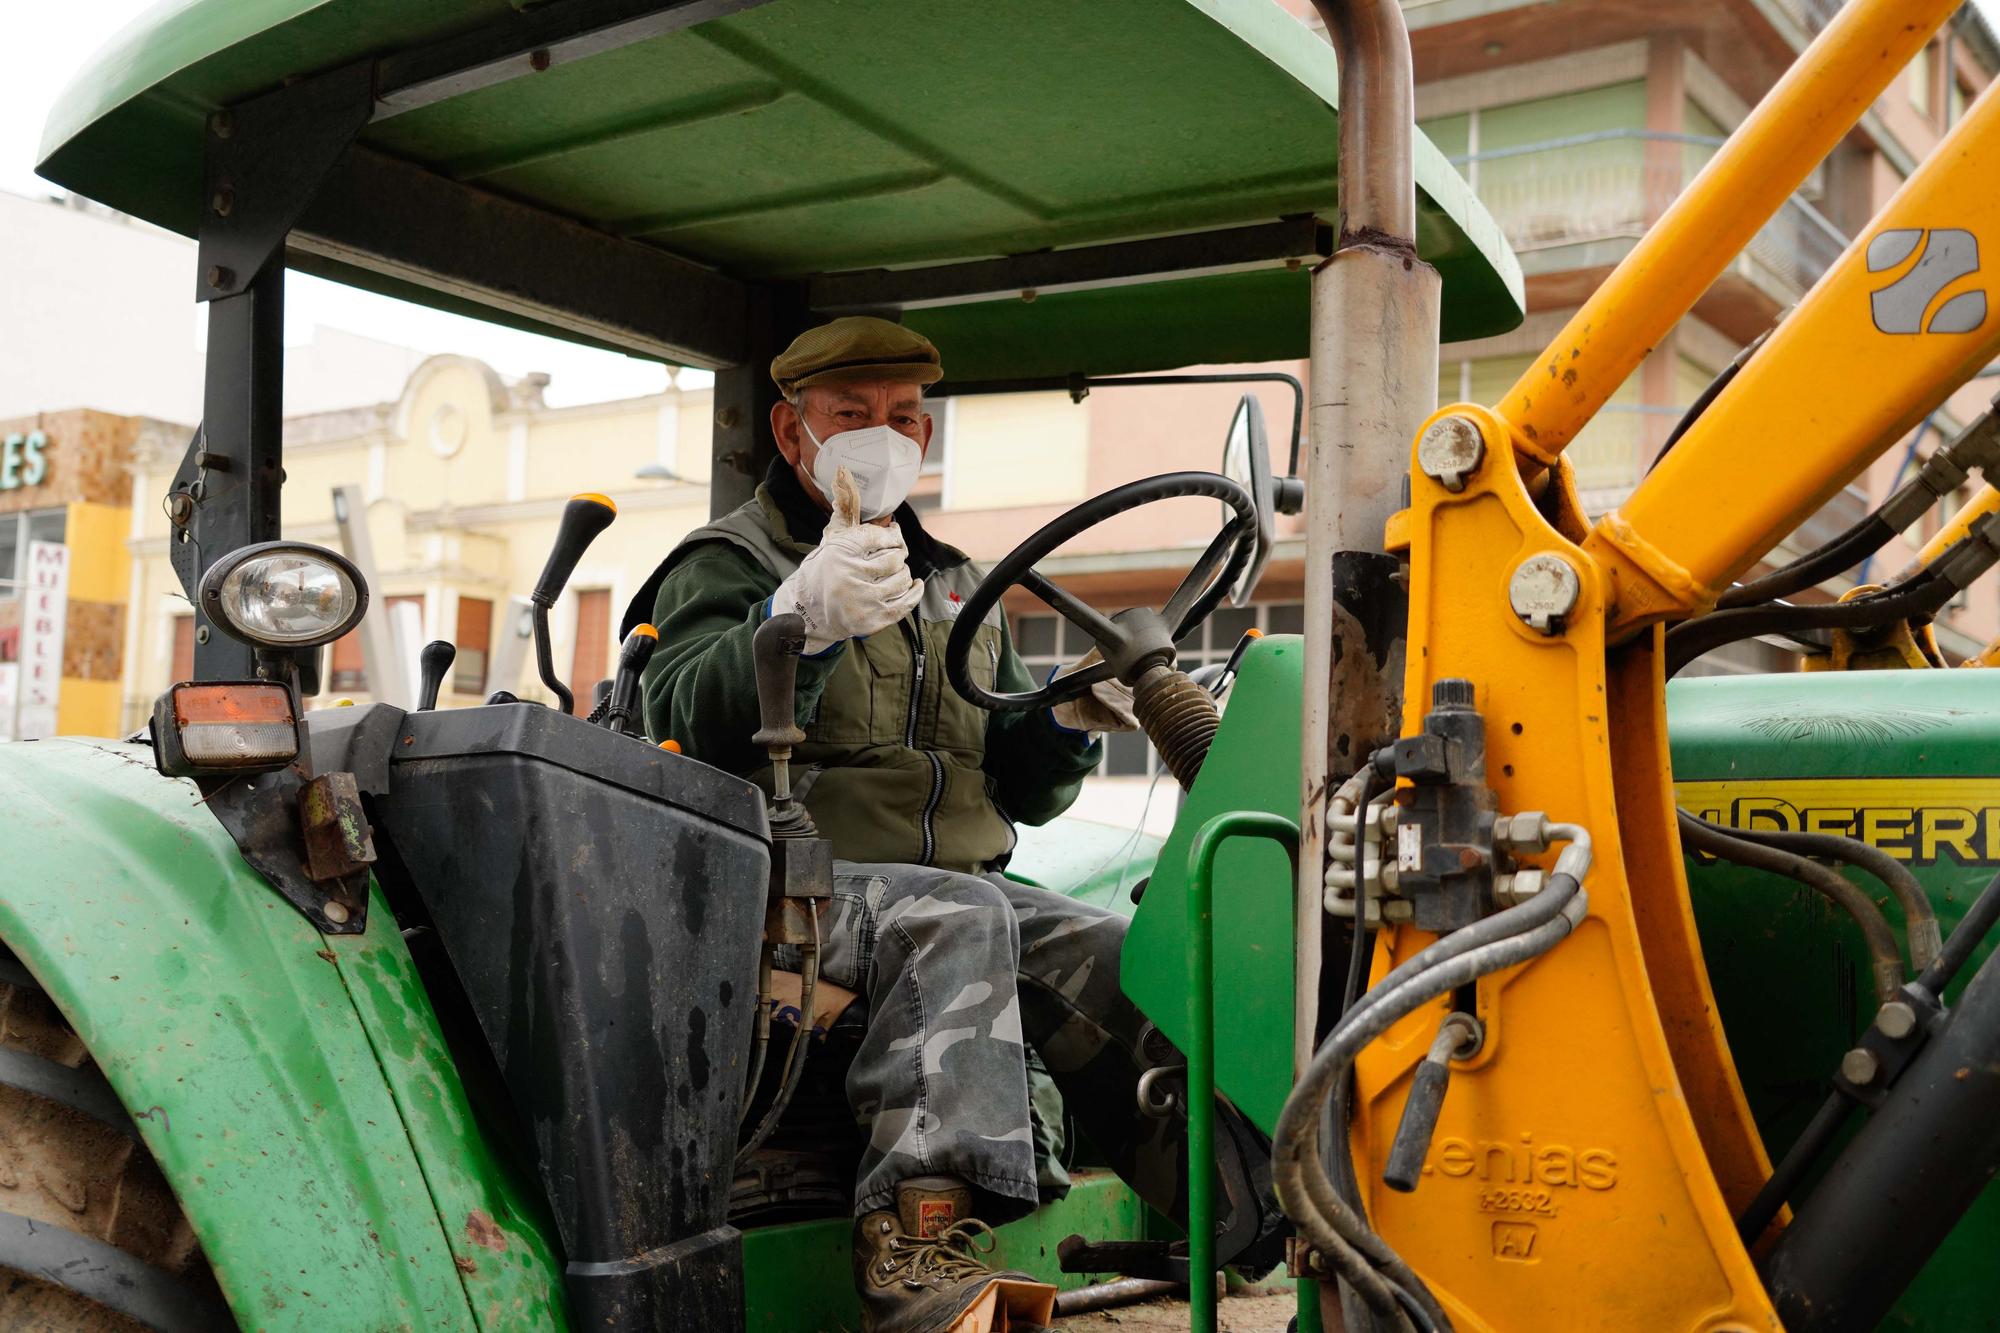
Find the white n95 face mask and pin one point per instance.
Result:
(882, 460)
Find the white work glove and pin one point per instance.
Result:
(856, 581)
(1106, 707)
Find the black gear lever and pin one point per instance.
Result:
(583, 518)
(632, 659)
(432, 663)
(775, 649)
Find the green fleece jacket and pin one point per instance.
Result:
(897, 766)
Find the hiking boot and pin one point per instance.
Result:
(919, 1267)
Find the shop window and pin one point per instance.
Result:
(17, 530)
(474, 642)
(1046, 642)
(183, 649)
(591, 661)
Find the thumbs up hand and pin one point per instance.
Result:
(855, 582)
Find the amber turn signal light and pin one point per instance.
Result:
(224, 727)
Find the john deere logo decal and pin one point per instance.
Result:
(1943, 256)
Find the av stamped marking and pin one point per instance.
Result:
(1515, 1241)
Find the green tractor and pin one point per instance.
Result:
(371, 1018)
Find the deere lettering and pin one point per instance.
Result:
(1967, 835)
(22, 460)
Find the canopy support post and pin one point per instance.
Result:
(235, 465)
(741, 447)
(1375, 311)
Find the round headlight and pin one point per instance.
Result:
(284, 594)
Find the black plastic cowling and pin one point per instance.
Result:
(600, 906)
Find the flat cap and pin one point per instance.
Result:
(855, 348)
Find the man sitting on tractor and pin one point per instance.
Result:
(918, 791)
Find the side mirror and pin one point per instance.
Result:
(1246, 460)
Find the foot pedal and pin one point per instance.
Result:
(1158, 1260)
(1009, 1305)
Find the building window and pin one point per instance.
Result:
(347, 673)
(1047, 642)
(1923, 82)
(928, 495)
(474, 641)
(183, 649)
(591, 661)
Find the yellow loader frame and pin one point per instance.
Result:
(1591, 1158)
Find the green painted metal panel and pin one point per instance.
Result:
(294, 1088)
(796, 1275)
(807, 136)
(1252, 765)
(1911, 762)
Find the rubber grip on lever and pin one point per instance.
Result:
(583, 518)
(636, 651)
(1413, 1132)
(775, 649)
(435, 659)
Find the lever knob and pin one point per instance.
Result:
(775, 649)
(583, 518)
(632, 659)
(432, 663)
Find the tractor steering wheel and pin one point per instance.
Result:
(1132, 641)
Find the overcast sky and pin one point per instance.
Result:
(48, 43)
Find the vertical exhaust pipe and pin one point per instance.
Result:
(1373, 381)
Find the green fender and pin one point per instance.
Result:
(294, 1088)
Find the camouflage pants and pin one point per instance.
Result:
(961, 973)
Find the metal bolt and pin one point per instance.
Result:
(1544, 589)
(220, 278)
(1860, 1067)
(336, 911)
(224, 202)
(727, 417)
(1896, 1021)
(1450, 450)
(201, 634)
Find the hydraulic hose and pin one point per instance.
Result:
(1308, 1196)
(1972, 928)
(1886, 960)
(1920, 923)
(1798, 1160)
(1844, 552)
(1833, 1113)
(760, 1040)
(1920, 596)
(795, 1056)
(1504, 939)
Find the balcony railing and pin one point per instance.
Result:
(1811, 14)
(1610, 184)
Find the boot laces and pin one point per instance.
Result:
(953, 1255)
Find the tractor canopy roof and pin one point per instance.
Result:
(1043, 187)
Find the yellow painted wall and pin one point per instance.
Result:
(99, 571)
(88, 708)
(99, 565)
